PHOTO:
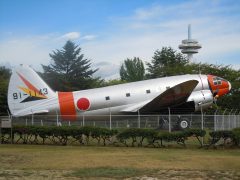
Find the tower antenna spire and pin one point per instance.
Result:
(189, 46)
(189, 32)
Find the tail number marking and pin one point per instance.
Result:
(19, 95)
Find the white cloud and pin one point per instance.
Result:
(71, 36)
(89, 37)
(107, 70)
(23, 51)
(142, 14)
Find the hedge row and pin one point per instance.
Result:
(155, 138)
(56, 135)
(128, 137)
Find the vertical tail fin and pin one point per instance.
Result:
(26, 89)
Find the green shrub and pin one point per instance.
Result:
(44, 132)
(236, 136)
(107, 134)
(77, 134)
(135, 136)
(61, 134)
(197, 133)
(156, 137)
(22, 132)
(5, 135)
(216, 136)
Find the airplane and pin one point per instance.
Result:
(28, 94)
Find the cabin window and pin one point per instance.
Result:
(128, 95)
(107, 98)
(148, 91)
(214, 81)
(219, 80)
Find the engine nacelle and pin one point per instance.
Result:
(202, 99)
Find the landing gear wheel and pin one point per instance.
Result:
(184, 124)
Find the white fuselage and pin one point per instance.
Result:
(28, 94)
(120, 99)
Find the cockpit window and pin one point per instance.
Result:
(217, 81)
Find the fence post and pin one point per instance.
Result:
(32, 119)
(191, 121)
(223, 123)
(235, 119)
(139, 120)
(169, 120)
(1, 131)
(202, 122)
(215, 120)
(11, 129)
(110, 119)
(238, 119)
(229, 120)
(83, 120)
(57, 118)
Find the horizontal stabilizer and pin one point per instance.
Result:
(26, 113)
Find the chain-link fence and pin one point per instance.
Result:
(167, 122)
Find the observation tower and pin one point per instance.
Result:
(189, 46)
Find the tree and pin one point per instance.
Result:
(167, 62)
(5, 74)
(132, 70)
(112, 82)
(69, 70)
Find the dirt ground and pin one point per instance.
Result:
(92, 162)
(160, 174)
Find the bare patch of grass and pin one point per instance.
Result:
(109, 172)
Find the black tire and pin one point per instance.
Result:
(182, 124)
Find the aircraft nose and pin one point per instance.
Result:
(229, 86)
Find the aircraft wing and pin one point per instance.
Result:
(135, 107)
(173, 96)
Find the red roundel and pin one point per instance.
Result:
(83, 104)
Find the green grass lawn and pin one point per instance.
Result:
(32, 161)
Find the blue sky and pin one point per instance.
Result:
(110, 31)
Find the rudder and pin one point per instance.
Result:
(26, 89)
